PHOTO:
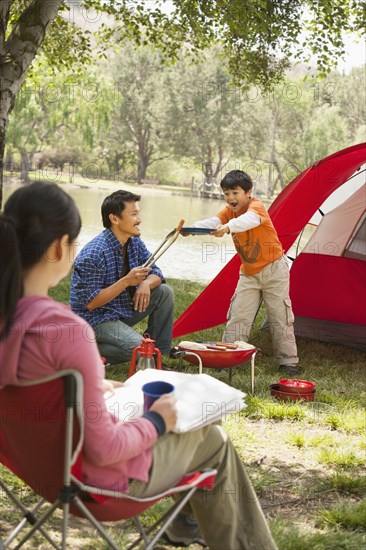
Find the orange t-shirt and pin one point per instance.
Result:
(256, 247)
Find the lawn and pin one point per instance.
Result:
(306, 459)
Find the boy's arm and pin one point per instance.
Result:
(209, 223)
(246, 221)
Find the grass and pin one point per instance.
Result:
(306, 459)
(347, 516)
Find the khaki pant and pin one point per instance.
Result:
(271, 284)
(230, 516)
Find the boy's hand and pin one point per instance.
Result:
(220, 231)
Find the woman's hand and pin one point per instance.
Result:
(167, 408)
(110, 385)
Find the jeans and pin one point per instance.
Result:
(116, 339)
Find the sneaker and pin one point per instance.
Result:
(184, 531)
(290, 369)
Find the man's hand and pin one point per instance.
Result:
(220, 231)
(136, 275)
(141, 299)
(167, 408)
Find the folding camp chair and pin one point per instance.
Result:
(42, 432)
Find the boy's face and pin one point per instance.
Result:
(237, 198)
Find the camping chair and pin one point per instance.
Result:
(42, 432)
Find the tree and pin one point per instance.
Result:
(57, 117)
(201, 114)
(260, 37)
(138, 96)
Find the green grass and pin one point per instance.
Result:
(345, 458)
(306, 459)
(347, 516)
(344, 483)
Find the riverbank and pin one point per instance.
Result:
(305, 459)
(80, 182)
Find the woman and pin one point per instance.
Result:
(39, 336)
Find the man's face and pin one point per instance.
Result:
(127, 224)
(237, 198)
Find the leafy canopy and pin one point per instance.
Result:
(261, 38)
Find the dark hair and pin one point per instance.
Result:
(115, 204)
(237, 178)
(34, 216)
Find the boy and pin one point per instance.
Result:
(264, 273)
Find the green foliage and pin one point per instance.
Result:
(344, 483)
(292, 538)
(260, 38)
(348, 516)
(344, 458)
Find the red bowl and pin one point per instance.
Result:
(218, 359)
(293, 385)
(288, 396)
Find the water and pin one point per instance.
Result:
(196, 258)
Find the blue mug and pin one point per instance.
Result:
(153, 390)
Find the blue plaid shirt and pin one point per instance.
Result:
(99, 265)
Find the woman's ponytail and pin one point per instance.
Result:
(10, 273)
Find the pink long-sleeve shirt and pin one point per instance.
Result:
(46, 337)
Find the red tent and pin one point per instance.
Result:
(290, 212)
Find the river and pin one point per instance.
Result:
(196, 258)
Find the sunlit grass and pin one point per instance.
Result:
(297, 439)
(348, 516)
(341, 457)
(344, 483)
(289, 537)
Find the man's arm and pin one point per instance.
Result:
(136, 276)
(141, 298)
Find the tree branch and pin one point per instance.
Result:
(27, 36)
(4, 19)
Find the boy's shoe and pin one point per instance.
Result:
(184, 531)
(291, 369)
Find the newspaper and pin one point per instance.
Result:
(201, 399)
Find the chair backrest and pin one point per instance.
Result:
(33, 428)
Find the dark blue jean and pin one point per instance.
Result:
(117, 339)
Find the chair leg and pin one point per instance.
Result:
(168, 517)
(39, 523)
(95, 522)
(65, 523)
(29, 516)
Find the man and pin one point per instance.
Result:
(111, 290)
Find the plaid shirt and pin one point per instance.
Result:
(99, 265)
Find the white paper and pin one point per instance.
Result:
(201, 399)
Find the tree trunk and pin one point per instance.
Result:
(25, 167)
(16, 55)
(142, 165)
(208, 171)
(2, 151)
